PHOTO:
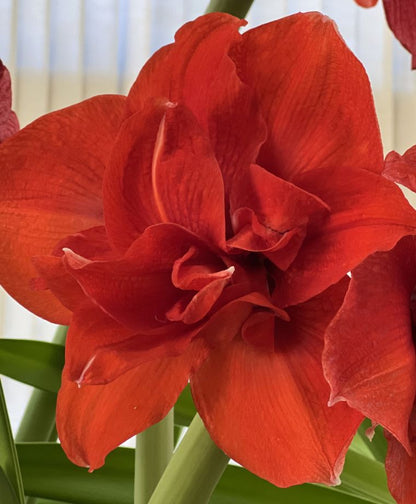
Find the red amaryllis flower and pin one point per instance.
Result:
(201, 230)
(369, 354)
(401, 18)
(8, 120)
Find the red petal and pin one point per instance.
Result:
(401, 467)
(366, 3)
(402, 169)
(268, 411)
(270, 215)
(187, 182)
(8, 120)
(90, 243)
(369, 357)
(315, 97)
(401, 15)
(95, 419)
(163, 170)
(197, 71)
(136, 290)
(51, 181)
(368, 214)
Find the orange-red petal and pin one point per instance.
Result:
(314, 95)
(163, 170)
(368, 214)
(369, 358)
(268, 410)
(94, 419)
(51, 181)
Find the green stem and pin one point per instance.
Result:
(194, 470)
(237, 8)
(38, 422)
(154, 448)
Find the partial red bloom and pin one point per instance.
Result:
(202, 230)
(369, 358)
(401, 18)
(8, 120)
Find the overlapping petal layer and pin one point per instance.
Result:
(63, 155)
(314, 95)
(377, 375)
(268, 410)
(402, 169)
(93, 420)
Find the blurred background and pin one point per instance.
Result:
(62, 51)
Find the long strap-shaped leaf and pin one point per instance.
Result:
(11, 487)
(47, 473)
(36, 363)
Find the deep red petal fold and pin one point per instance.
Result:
(314, 95)
(94, 419)
(8, 120)
(63, 196)
(369, 357)
(368, 214)
(268, 410)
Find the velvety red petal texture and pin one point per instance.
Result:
(268, 410)
(369, 351)
(401, 15)
(63, 154)
(402, 169)
(163, 170)
(401, 467)
(199, 60)
(137, 289)
(8, 120)
(368, 214)
(95, 419)
(314, 95)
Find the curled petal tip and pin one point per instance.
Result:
(335, 481)
(334, 399)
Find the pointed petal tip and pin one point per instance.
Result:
(335, 398)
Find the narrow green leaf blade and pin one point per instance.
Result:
(36, 363)
(47, 473)
(10, 479)
(239, 485)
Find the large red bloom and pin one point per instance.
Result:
(201, 230)
(369, 354)
(401, 18)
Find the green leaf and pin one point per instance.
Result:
(48, 474)
(378, 445)
(11, 487)
(239, 485)
(184, 408)
(36, 363)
